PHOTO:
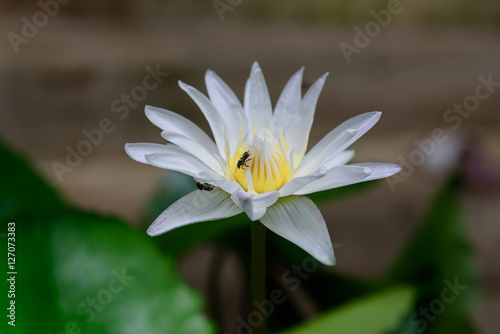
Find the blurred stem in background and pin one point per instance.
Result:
(214, 278)
(258, 275)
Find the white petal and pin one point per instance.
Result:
(296, 133)
(298, 220)
(213, 161)
(138, 151)
(227, 104)
(333, 143)
(254, 205)
(311, 163)
(378, 170)
(211, 114)
(227, 185)
(340, 159)
(257, 104)
(251, 189)
(179, 160)
(184, 133)
(299, 182)
(336, 177)
(289, 101)
(195, 207)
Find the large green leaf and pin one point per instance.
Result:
(97, 275)
(21, 189)
(375, 314)
(81, 273)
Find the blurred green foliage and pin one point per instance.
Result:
(21, 190)
(437, 257)
(80, 271)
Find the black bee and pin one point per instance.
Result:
(245, 157)
(204, 186)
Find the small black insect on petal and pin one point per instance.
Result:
(204, 186)
(245, 157)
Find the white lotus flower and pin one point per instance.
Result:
(269, 185)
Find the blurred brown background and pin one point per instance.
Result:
(62, 75)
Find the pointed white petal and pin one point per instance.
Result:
(180, 160)
(289, 100)
(336, 141)
(228, 106)
(213, 161)
(336, 177)
(195, 207)
(254, 205)
(138, 151)
(311, 163)
(340, 159)
(184, 133)
(169, 121)
(299, 182)
(379, 170)
(257, 104)
(296, 133)
(211, 114)
(298, 220)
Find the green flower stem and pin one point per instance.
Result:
(258, 275)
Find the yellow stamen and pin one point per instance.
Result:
(268, 163)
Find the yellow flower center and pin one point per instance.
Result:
(266, 160)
